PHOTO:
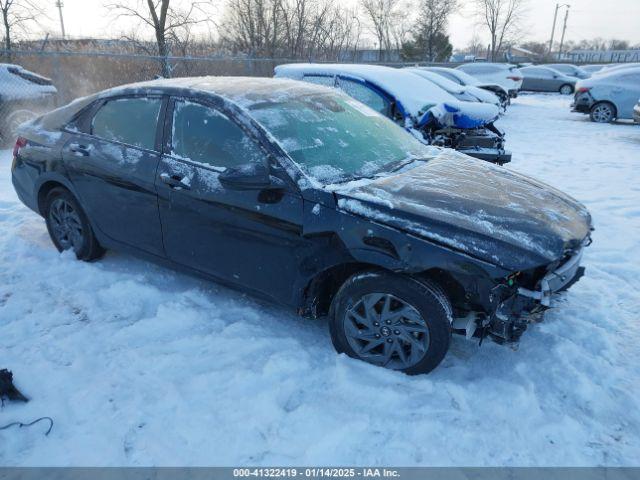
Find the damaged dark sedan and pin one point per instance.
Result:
(298, 194)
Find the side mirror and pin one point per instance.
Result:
(250, 176)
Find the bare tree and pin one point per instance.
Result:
(169, 19)
(17, 14)
(503, 19)
(253, 26)
(289, 28)
(384, 17)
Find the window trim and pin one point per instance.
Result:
(218, 106)
(395, 106)
(88, 116)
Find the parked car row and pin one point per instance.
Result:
(300, 194)
(416, 102)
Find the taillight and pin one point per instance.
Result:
(20, 143)
(583, 89)
(515, 79)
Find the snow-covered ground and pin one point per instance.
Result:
(139, 365)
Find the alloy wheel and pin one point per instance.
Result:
(385, 330)
(566, 90)
(66, 225)
(602, 113)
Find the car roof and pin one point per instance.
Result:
(473, 65)
(410, 89)
(245, 91)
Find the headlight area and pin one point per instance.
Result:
(524, 296)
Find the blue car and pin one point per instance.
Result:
(434, 115)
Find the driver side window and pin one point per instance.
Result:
(366, 95)
(205, 135)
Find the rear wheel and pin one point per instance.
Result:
(566, 89)
(392, 321)
(69, 227)
(602, 112)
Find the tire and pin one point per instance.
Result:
(413, 342)
(69, 227)
(566, 89)
(602, 112)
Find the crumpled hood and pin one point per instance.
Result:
(475, 207)
(461, 114)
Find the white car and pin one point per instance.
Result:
(464, 79)
(608, 96)
(23, 96)
(593, 68)
(615, 67)
(569, 69)
(468, 93)
(504, 74)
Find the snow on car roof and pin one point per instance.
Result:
(412, 91)
(245, 91)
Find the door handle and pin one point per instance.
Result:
(79, 150)
(174, 181)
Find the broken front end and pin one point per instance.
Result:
(510, 305)
(484, 142)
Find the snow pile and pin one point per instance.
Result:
(139, 365)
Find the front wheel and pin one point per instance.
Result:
(566, 89)
(392, 321)
(69, 227)
(602, 112)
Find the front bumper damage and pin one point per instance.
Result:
(516, 306)
(486, 143)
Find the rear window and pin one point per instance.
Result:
(132, 121)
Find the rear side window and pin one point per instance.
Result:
(128, 120)
(481, 68)
(205, 135)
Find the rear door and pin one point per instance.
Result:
(112, 161)
(247, 237)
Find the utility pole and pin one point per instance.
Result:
(553, 29)
(59, 5)
(564, 29)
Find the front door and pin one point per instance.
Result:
(247, 237)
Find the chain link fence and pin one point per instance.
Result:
(33, 82)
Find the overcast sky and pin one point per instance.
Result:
(587, 19)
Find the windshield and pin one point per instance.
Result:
(334, 138)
